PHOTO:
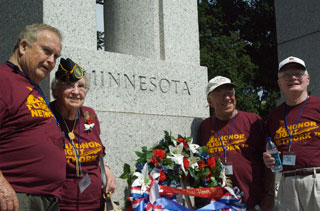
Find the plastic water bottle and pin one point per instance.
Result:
(272, 149)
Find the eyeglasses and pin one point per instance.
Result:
(221, 94)
(81, 86)
(288, 76)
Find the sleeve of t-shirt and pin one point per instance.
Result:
(200, 135)
(97, 124)
(3, 111)
(258, 131)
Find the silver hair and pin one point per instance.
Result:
(31, 32)
(55, 83)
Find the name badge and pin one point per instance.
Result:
(289, 159)
(229, 169)
(84, 182)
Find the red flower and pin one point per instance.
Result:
(185, 143)
(201, 164)
(185, 163)
(162, 176)
(154, 160)
(208, 178)
(159, 153)
(211, 162)
(180, 140)
(89, 121)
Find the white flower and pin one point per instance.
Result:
(143, 179)
(223, 175)
(176, 150)
(194, 148)
(177, 155)
(193, 161)
(178, 159)
(88, 127)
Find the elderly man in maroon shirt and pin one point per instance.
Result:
(237, 139)
(294, 127)
(32, 160)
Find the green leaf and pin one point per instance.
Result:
(149, 156)
(126, 171)
(130, 180)
(204, 173)
(213, 183)
(167, 161)
(139, 154)
(166, 133)
(192, 173)
(126, 168)
(204, 149)
(170, 166)
(132, 170)
(124, 176)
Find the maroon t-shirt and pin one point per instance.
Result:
(244, 151)
(306, 137)
(31, 151)
(91, 149)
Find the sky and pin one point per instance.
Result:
(99, 9)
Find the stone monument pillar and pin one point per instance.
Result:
(148, 80)
(298, 34)
(161, 29)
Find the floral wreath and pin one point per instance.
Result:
(174, 162)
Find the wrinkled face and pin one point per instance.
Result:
(39, 59)
(71, 95)
(293, 79)
(223, 101)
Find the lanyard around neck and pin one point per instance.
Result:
(295, 126)
(225, 147)
(16, 68)
(78, 153)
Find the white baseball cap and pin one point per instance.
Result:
(292, 59)
(216, 82)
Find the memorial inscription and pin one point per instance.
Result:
(140, 82)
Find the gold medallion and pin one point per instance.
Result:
(71, 135)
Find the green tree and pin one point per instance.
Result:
(238, 40)
(100, 40)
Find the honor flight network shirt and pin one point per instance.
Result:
(306, 135)
(31, 151)
(244, 151)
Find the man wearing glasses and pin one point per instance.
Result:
(237, 139)
(294, 127)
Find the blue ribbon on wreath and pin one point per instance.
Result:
(230, 201)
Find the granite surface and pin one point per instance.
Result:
(159, 29)
(298, 34)
(150, 80)
(296, 19)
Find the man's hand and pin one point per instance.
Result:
(111, 181)
(8, 197)
(268, 160)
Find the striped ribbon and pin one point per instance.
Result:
(229, 200)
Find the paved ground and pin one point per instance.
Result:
(278, 177)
